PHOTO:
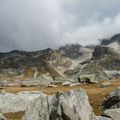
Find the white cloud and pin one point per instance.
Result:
(38, 24)
(90, 33)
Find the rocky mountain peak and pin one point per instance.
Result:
(100, 52)
(71, 50)
(115, 38)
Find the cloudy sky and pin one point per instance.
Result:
(38, 24)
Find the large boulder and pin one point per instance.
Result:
(43, 80)
(11, 102)
(90, 72)
(2, 117)
(113, 100)
(87, 78)
(112, 74)
(38, 109)
(72, 105)
(111, 105)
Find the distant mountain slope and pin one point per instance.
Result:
(113, 42)
(115, 38)
(69, 57)
(71, 50)
(21, 60)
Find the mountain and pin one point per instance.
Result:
(69, 65)
(113, 42)
(101, 51)
(70, 61)
(104, 64)
(115, 38)
(22, 60)
(71, 50)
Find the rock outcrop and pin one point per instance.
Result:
(17, 63)
(111, 105)
(10, 102)
(2, 117)
(87, 78)
(113, 100)
(115, 38)
(72, 105)
(90, 73)
(71, 50)
(100, 52)
(43, 80)
(112, 74)
(113, 42)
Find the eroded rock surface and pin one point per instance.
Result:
(43, 80)
(10, 102)
(72, 105)
(101, 51)
(113, 113)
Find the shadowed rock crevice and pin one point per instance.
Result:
(64, 116)
(111, 102)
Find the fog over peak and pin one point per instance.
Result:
(38, 24)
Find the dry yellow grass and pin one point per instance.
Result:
(14, 116)
(95, 94)
(29, 72)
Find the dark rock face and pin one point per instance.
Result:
(100, 52)
(113, 100)
(48, 53)
(71, 51)
(115, 38)
(111, 105)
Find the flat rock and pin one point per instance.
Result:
(66, 83)
(74, 84)
(53, 86)
(106, 84)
